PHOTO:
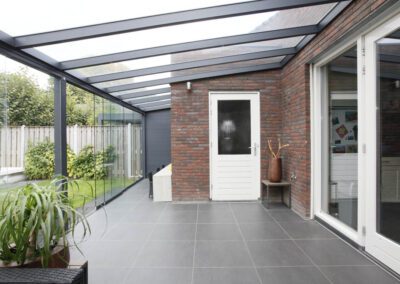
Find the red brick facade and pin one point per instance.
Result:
(285, 112)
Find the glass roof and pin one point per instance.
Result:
(187, 32)
(182, 57)
(189, 72)
(48, 15)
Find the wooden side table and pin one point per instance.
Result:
(267, 185)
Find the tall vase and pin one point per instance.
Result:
(275, 170)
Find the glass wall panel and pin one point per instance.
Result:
(117, 137)
(99, 147)
(26, 126)
(81, 148)
(108, 149)
(388, 140)
(340, 194)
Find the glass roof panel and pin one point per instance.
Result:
(120, 93)
(48, 16)
(187, 32)
(186, 57)
(188, 72)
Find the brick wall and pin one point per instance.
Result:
(296, 99)
(190, 133)
(285, 111)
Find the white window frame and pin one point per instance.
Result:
(316, 120)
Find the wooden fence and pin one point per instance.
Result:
(126, 139)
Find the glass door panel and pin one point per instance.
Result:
(388, 131)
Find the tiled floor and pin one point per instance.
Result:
(243, 243)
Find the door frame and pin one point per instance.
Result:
(376, 244)
(210, 129)
(367, 173)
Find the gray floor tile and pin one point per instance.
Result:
(142, 216)
(225, 276)
(277, 253)
(285, 216)
(159, 276)
(292, 275)
(262, 231)
(178, 217)
(218, 232)
(307, 230)
(174, 232)
(166, 254)
(221, 254)
(245, 205)
(111, 253)
(129, 231)
(251, 214)
(332, 252)
(216, 216)
(214, 206)
(357, 274)
(180, 206)
(107, 275)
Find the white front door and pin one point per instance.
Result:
(235, 145)
(382, 71)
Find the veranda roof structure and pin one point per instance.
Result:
(133, 61)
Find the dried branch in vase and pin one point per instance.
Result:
(276, 154)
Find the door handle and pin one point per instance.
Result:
(255, 148)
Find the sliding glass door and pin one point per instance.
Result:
(383, 93)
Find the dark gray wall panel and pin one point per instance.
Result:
(158, 139)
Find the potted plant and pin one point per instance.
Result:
(275, 162)
(35, 225)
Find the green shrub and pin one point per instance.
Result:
(39, 160)
(90, 165)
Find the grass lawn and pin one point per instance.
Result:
(83, 190)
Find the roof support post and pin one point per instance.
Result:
(60, 126)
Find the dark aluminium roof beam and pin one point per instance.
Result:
(333, 13)
(144, 93)
(189, 46)
(152, 99)
(162, 20)
(184, 78)
(166, 106)
(190, 65)
(150, 104)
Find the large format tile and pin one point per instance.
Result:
(332, 252)
(142, 216)
(129, 231)
(307, 230)
(216, 216)
(174, 232)
(251, 214)
(180, 206)
(110, 254)
(292, 275)
(218, 232)
(225, 276)
(277, 253)
(178, 217)
(262, 231)
(214, 206)
(221, 254)
(357, 274)
(159, 276)
(285, 216)
(105, 275)
(166, 254)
